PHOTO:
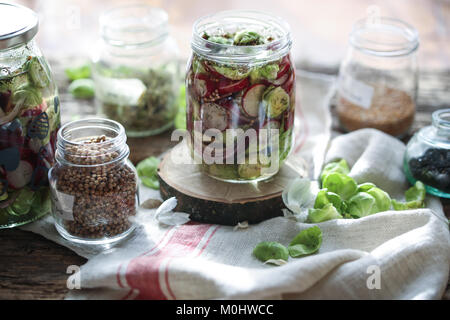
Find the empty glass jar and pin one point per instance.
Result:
(377, 85)
(427, 156)
(29, 119)
(136, 70)
(94, 185)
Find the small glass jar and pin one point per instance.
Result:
(29, 119)
(240, 95)
(94, 186)
(136, 70)
(427, 156)
(377, 85)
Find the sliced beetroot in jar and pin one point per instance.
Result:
(228, 86)
(289, 85)
(289, 118)
(214, 116)
(252, 99)
(203, 85)
(212, 71)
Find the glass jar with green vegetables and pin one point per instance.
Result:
(240, 95)
(136, 70)
(29, 119)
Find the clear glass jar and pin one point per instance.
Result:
(427, 156)
(94, 186)
(377, 85)
(240, 94)
(136, 70)
(29, 119)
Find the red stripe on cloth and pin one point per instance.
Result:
(145, 253)
(166, 271)
(142, 272)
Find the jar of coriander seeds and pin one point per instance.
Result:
(93, 184)
(135, 69)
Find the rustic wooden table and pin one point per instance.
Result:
(32, 267)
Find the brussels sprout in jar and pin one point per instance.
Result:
(240, 95)
(136, 70)
(29, 121)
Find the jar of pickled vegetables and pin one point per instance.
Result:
(29, 119)
(136, 70)
(240, 95)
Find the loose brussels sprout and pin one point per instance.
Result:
(416, 192)
(364, 187)
(361, 205)
(325, 213)
(324, 197)
(382, 199)
(306, 242)
(268, 250)
(340, 166)
(82, 89)
(340, 184)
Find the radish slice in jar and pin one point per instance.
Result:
(284, 69)
(252, 99)
(214, 116)
(20, 177)
(280, 81)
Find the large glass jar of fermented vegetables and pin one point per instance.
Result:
(136, 69)
(29, 119)
(240, 91)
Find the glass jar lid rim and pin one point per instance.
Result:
(117, 143)
(205, 47)
(384, 43)
(92, 122)
(150, 23)
(441, 118)
(18, 25)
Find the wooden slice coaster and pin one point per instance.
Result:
(212, 201)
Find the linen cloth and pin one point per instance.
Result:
(410, 249)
